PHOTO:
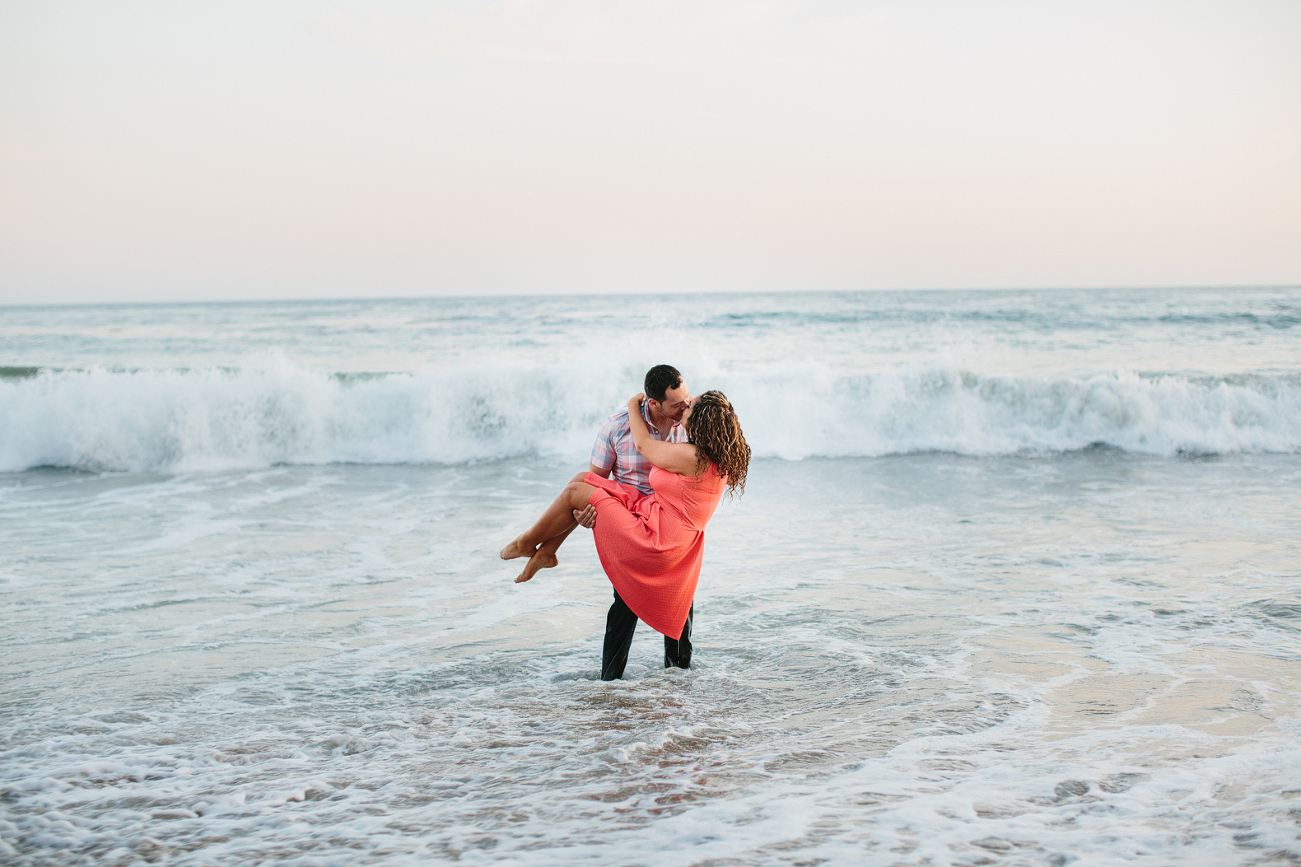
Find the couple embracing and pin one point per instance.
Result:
(671, 457)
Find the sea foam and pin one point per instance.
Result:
(272, 411)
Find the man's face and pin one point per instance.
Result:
(674, 403)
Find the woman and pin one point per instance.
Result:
(651, 546)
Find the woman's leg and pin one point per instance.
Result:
(540, 541)
(545, 556)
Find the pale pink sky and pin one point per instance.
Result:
(160, 151)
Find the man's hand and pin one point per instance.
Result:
(587, 517)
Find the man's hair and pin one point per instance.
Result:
(660, 379)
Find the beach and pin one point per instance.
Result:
(1013, 582)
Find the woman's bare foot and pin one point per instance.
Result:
(540, 560)
(515, 549)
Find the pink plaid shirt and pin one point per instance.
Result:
(614, 448)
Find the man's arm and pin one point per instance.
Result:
(603, 455)
(587, 517)
(602, 451)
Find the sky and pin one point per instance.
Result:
(161, 151)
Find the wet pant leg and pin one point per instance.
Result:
(677, 652)
(620, 623)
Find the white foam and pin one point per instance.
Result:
(272, 411)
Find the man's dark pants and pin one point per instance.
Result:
(620, 624)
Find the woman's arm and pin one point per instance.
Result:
(674, 457)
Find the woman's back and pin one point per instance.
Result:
(694, 499)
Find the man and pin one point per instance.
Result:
(614, 453)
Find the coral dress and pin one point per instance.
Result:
(651, 545)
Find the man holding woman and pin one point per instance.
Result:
(651, 516)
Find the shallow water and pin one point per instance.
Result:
(1014, 582)
(1089, 657)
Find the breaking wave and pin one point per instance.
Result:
(271, 411)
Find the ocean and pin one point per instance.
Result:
(1014, 581)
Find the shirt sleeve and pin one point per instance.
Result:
(603, 448)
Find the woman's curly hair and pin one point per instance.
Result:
(715, 431)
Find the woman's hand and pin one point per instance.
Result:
(637, 398)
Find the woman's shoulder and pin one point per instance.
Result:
(709, 476)
(710, 471)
